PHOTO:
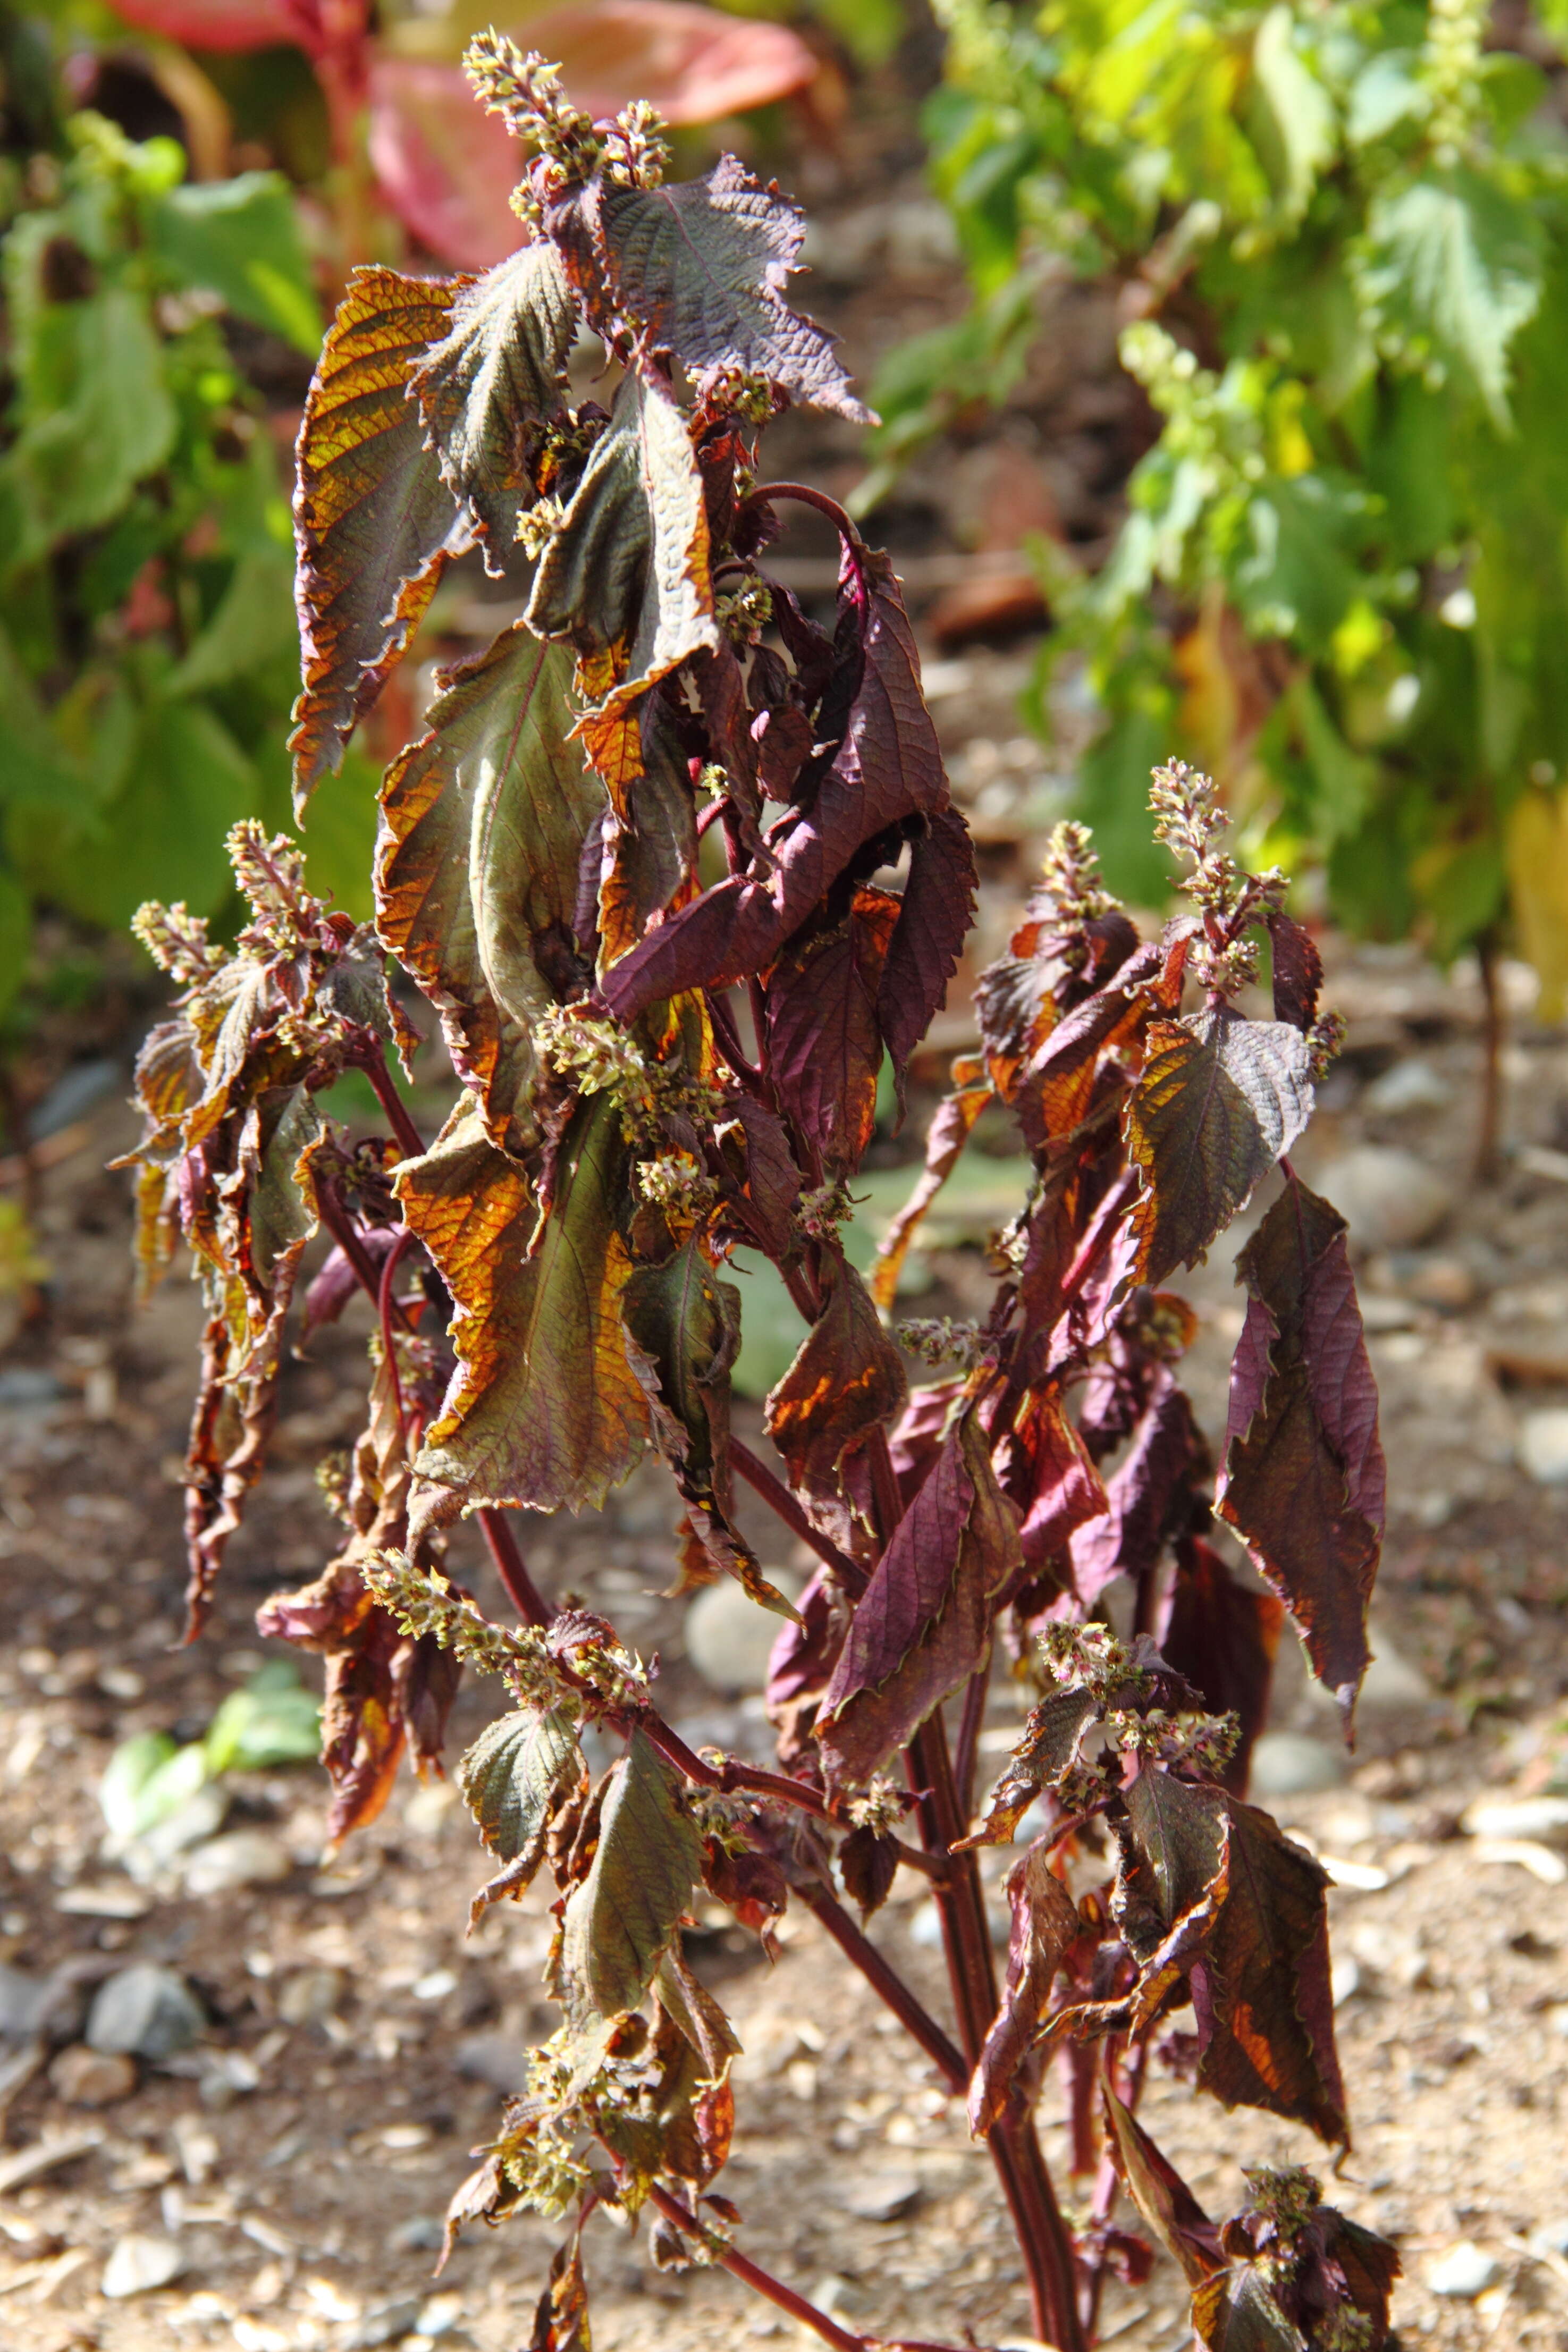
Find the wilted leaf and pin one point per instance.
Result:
(1052, 967)
(1304, 1475)
(689, 2004)
(1298, 2272)
(622, 1917)
(1044, 1921)
(486, 388)
(1298, 971)
(1223, 1638)
(1219, 1101)
(1049, 1745)
(512, 1778)
(543, 1411)
(952, 1125)
(630, 560)
(847, 1377)
(561, 2317)
(373, 521)
(696, 269)
(1211, 1894)
(920, 1627)
(824, 1047)
(772, 1180)
(1148, 1496)
(684, 1328)
(934, 916)
(1053, 1481)
(1160, 2195)
(868, 1863)
(483, 821)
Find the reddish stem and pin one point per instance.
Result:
(384, 1306)
(532, 1607)
(410, 1141)
(883, 1980)
(975, 1692)
(773, 1492)
(752, 2274)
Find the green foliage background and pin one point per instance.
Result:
(1342, 583)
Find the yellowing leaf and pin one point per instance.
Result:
(544, 1410)
(483, 824)
(373, 521)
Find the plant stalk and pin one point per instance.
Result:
(884, 1980)
(773, 1490)
(752, 2274)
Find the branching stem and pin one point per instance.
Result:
(773, 1492)
(752, 2274)
(884, 1980)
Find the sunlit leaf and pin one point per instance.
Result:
(512, 1779)
(1044, 1921)
(373, 521)
(498, 375)
(544, 1410)
(847, 1377)
(623, 1918)
(696, 268)
(1220, 1101)
(483, 824)
(825, 1044)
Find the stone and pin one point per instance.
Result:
(1551, 2238)
(882, 2196)
(310, 1996)
(1290, 1764)
(1389, 1198)
(139, 2264)
(144, 2011)
(729, 1639)
(1465, 2272)
(1409, 1086)
(93, 2078)
(426, 2233)
(1543, 1817)
(1542, 1446)
(147, 1858)
(47, 2009)
(382, 2326)
(1446, 1283)
(497, 2060)
(438, 2316)
(239, 1858)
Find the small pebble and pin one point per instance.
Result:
(1546, 1818)
(93, 2078)
(1290, 1764)
(139, 2264)
(882, 2196)
(424, 2234)
(310, 1996)
(1389, 1198)
(1465, 2271)
(1411, 1086)
(729, 1639)
(382, 2326)
(1344, 1981)
(144, 2011)
(1446, 1283)
(241, 1858)
(1542, 1446)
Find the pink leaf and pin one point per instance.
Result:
(692, 64)
(223, 23)
(447, 169)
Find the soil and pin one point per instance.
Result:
(302, 2168)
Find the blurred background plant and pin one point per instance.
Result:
(1338, 240)
(183, 187)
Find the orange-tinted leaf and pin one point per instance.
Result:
(373, 521)
(922, 1626)
(483, 821)
(561, 2317)
(485, 390)
(1052, 1737)
(1219, 1101)
(1304, 1475)
(1299, 2276)
(1052, 1479)
(1054, 965)
(847, 1377)
(543, 1411)
(1044, 1921)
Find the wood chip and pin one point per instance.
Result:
(45, 2155)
